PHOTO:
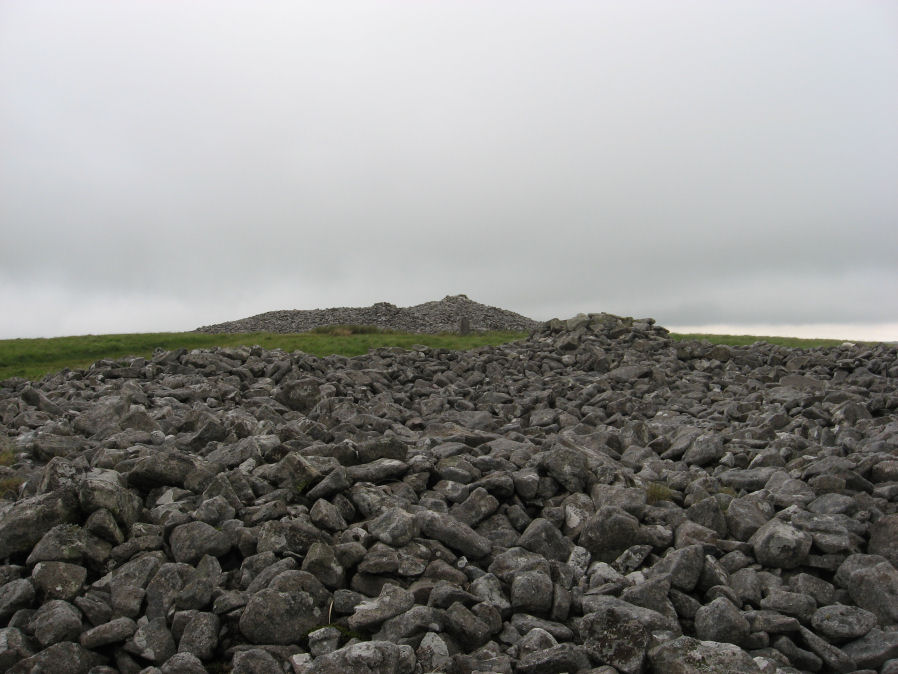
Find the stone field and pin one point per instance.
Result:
(595, 498)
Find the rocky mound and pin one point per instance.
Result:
(595, 498)
(431, 317)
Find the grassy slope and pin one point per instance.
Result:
(33, 358)
(745, 340)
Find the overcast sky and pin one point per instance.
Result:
(169, 164)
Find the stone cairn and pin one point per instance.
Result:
(453, 313)
(596, 498)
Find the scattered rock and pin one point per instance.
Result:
(576, 500)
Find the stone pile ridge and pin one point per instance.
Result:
(595, 498)
(429, 317)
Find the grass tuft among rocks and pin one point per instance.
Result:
(7, 454)
(657, 491)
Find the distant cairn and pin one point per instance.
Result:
(453, 313)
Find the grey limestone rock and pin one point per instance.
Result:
(14, 595)
(534, 641)
(255, 661)
(152, 640)
(200, 636)
(799, 657)
(104, 491)
(433, 654)
(544, 538)
(721, 621)
(872, 583)
(199, 584)
(64, 542)
(884, 538)
(745, 516)
(683, 566)
(840, 622)
(14, 646)
(790, 603)
(324, 640)
(367, 657)
(531, 592)
(555, 660)
(466, 627)
(771, 622)
(612, 636)
(112, 632)
(479, 505)
(102, 420)
(190, 542)
(688, 655)
(609, 532)
(275, 617)
(780, 545)
(24, 525)
(391, 601)
(831, 656)
(56, 621)
(568, 466)
(394, 527)
(300, 395)
(651, 619)
(183, 663)
(163, 584)
(455, 534)
(58, 580)
(412, 624)
(65, 656)
(873, 649)
(705, 449)
(162, 468)
(321, 561)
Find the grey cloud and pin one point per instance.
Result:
(697, 162)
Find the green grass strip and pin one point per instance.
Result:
(747, 340)
(34, 358)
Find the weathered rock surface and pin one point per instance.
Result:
(594, 498)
